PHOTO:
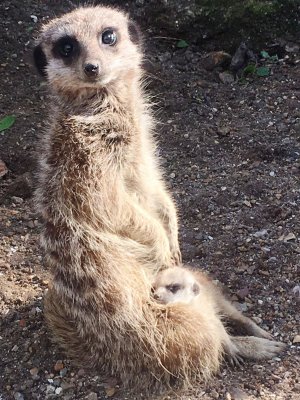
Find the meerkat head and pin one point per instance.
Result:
(175, 285)
(88, 48)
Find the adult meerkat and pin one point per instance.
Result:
(183, 285)
(109, 222)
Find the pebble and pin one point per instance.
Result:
(238, 394)
(3, 169)
(172, 175)
(17, 200)
(34, 371)
(18, 396)
(261, 233)
(226, 77)
(296, 339)
(58, 390)
(58, 365)
(63, 372)
(91, 396)
(242, 293)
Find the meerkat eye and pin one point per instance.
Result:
(66, 49)
(173, 288)
(109, 37)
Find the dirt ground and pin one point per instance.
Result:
(231, 153)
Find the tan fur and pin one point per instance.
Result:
(110, 223)
(195, 288)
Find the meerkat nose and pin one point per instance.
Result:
(156, 296)
(91, 70)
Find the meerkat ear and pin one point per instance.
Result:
(40, 60)
(134, 33)
(196, 288)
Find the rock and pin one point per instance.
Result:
(296, 339)
(18, 396)
(58, 390)
(223, 130)
(34, 371)
(110, 391)
(216, 59)
(22, 186)
(288, 237)
(260, 234)
(226, 77)
(296, 291)
(58, 365)
(91, 396)
(238, 394)
(242, 293)
(3, 169)
(17, 200)
(63, 372)
(241, 57)
(292, 47)
(81, 372)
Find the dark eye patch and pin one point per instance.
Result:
(67, 48)
(173, 288)
(134, 33)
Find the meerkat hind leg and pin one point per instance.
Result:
(255, 348)
(240, 321)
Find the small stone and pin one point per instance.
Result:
(22, 323)
(214, 394)
(67, 385)
(58, 365)
(172, 175)
(296, 339)
(91, 396)
(216, 59)
(288, 237)
(34, 18)
(34, 371)
(110, 391)
(242, 293)
(63, 372)
(15, 348)
(238, 394)
(58, 390)
(296, 387)
(18, 396)
(3, 169)
(50, 389)
(17, 200)
(81, 372)
(226, 77)
(296, 291)
(260, 302)
(260, 234)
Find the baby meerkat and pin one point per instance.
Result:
(109, 221)
(182, 285)
(174, 285)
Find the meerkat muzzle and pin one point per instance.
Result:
(91, 70)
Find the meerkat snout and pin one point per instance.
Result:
(91, 70)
